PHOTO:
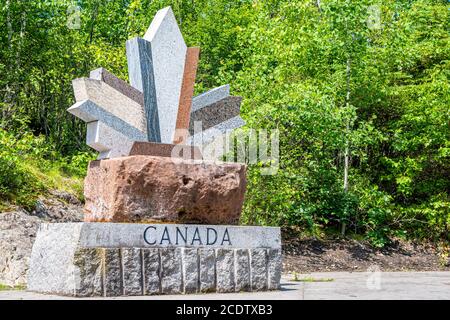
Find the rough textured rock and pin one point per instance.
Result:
(151, 271)
(61, 206)
(258, 258)
(225, 270)
(132, 271)
(158, 189)
(242, 269)
(87, 272)
(190, 270)
(171, 271)
(113, 273)
(17, 234)
(274, 266)
(207, 260)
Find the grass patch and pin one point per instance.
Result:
(55, 178)
(311, 279)
(30, 167)
(4, 287)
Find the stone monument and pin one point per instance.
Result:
(160, 216)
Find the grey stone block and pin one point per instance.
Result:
(171, 272)
(132, 271)
(258, 263)
(225, 270)
(51, 263)
(168, 51)
(89, 111)
(274, 267)
(109, 142)
(152, 271)
(212, 141)
(111, 259)
(242, 269)
(113, 273)
(141, 75)
(210, 97)
(109, 100)
(207, 259)
(215, 113)
(88, 272)
(190, 270)
(118, 84)
(116, 235)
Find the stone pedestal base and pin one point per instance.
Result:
(115, 259)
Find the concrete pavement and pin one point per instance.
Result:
(317, 286)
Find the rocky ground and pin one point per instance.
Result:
(337, 254)
(18, 230)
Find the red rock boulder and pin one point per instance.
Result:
(151, 189)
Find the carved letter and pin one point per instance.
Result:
(207, 236)
(196, 237)
(181, 235)
(226, 237)
(165, 236)
(145, 235)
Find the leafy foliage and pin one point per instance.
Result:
(330, 75)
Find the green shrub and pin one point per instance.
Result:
(29, 167)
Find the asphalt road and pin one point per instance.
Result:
(319, 286)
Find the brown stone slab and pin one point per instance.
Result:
(165, 150)
(118, 84)
(187, 91)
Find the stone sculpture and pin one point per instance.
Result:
(159, 217)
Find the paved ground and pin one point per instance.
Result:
(329, 285)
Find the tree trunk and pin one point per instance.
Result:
(347, 151)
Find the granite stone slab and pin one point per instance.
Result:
(187, 91)
(61, 263)
(216, 113)
(165, 150)
(113, 273)
(242, 269)
(213, 142)
(168, 52)
(207, 265)
(109, 142)
(274, 267)
(110, 101)
(171, 271)
(88, 274)
(190, 259)
(52, 266)
(116, 235)
(225, 270)
(219, 131)
(210, 97)
(258, 263)
(132, 272)
(118, 84)
(152, 271)
(141, 75)
(90, 112)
